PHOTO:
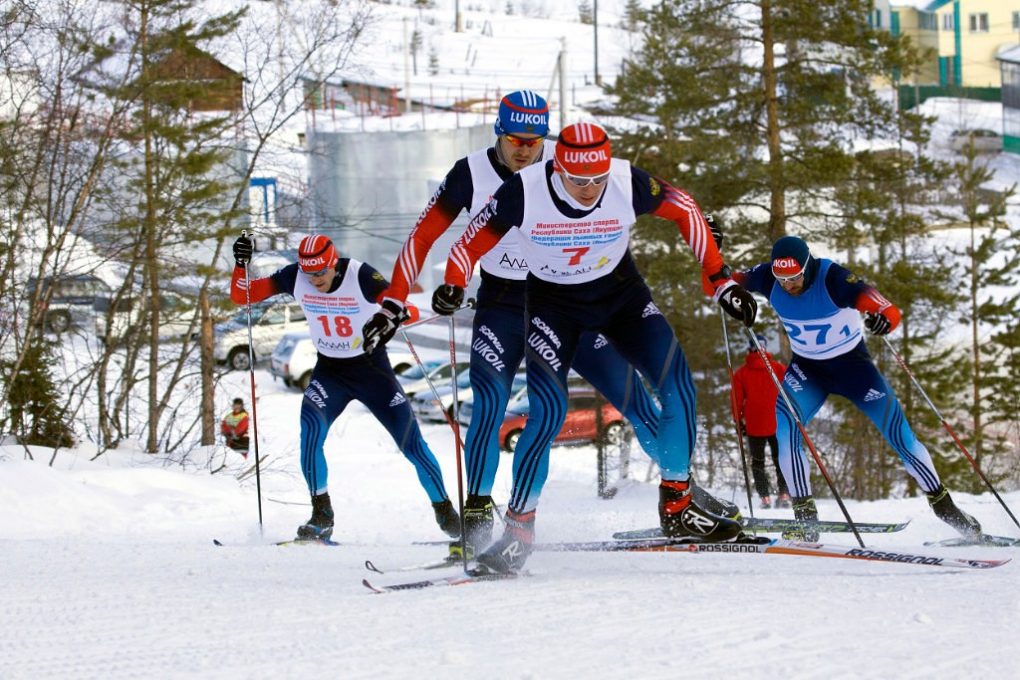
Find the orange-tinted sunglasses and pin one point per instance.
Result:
(522, 141)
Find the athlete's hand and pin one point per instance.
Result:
(381, 327)
(447, 299)
(878, 324)
(243, 248)
(715, 226)
(737, 302)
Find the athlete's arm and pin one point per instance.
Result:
(848, 290)
(452, 196)
(657, 197)
(484, 231)
(373, 286)
(758, 279)
(281, 281)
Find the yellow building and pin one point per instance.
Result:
(967, 36)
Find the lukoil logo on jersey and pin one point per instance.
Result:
(397, 399)
(873, 395)
(594, 156)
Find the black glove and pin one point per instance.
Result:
(715, 226)
(243, 248)
(447, 299)
(738, 303)
(383, 325)
(877, 323)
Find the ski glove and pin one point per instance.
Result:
(383, 325)
(715, 226)
(737, 302)
(447, 299)
(243, 248)
(877, 323)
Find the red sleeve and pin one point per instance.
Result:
(258, 289)
(224, 428)
(870, 300)
(413, 313)
(479, 238)
(434, 221)
(242, 427)
(680, 207)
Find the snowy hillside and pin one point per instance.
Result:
(109, 571)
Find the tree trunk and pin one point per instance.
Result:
(206, 354)
(777, 203)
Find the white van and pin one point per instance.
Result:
(295, 356)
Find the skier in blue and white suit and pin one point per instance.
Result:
(572, 216)
(820, 304)
(497, 346)
(338, 296)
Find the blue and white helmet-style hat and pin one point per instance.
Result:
(523, 113)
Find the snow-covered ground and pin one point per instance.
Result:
(109, 570)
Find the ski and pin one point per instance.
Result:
(455, 580)
(984, 540)
(776, 524)
(771, 546)
(291, 541)
(448, 561)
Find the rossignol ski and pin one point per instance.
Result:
(776, 524)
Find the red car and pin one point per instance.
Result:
(578, 427)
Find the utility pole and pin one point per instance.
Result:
(457, 26)
(595, 22)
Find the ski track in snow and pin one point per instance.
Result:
(109, 571)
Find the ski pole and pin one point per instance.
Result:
(456, 433)
(254, 405)
(949, 429)
(804, 434)
(733, 408)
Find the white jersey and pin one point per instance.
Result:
(506, 260)
(570, 250)
(335, 319)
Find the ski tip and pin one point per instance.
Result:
(368, 584)
(371, 567)
(216, 541)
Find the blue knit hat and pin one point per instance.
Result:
(790, 255)
(523, 112)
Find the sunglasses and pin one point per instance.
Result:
(321, 272)
(789, 279)
(579, 181)
(524, 141)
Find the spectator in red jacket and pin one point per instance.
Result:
(234, 428)
(754, 410)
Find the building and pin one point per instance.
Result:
(1009, 64)
(965, 35)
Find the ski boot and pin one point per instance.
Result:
(716, 506)
(320, 526)
(766, 503)
(478, 521)
(682, 516)
(447, 518)
(805, 510)
(784, 500)
(509, 553)
(946, 510)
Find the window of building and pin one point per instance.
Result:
(929, 21)
(878, 18)
(947, 22)
(1016, 21)
(979, 23)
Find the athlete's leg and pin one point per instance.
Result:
(807, 395)
(551, 341)
(497, 349)
(324, 400)
(773, 443)
(869, 391)
(378, 389)
(601, 365)
(756, 445)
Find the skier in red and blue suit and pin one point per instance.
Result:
(338, 295)
(820, 304)
(498, 341)
(572, 217)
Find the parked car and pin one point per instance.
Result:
(439, 374)
(269, 322)
(983, 140)
(424, 402)
(467, 403)
(71, 299)
(294, 358)
(131, 317)
(579, 425)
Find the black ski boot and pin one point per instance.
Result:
(447, 518)
(682, 516)
(714, 505)
(945, 509)
(320, 526)
(478, 521)
(805, 510)
(510, 552)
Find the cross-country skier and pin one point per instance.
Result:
(820, 304)
(338, 295)
(572, 215)
(498, 333)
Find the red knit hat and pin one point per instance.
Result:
(316, 253)
(583, 149)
